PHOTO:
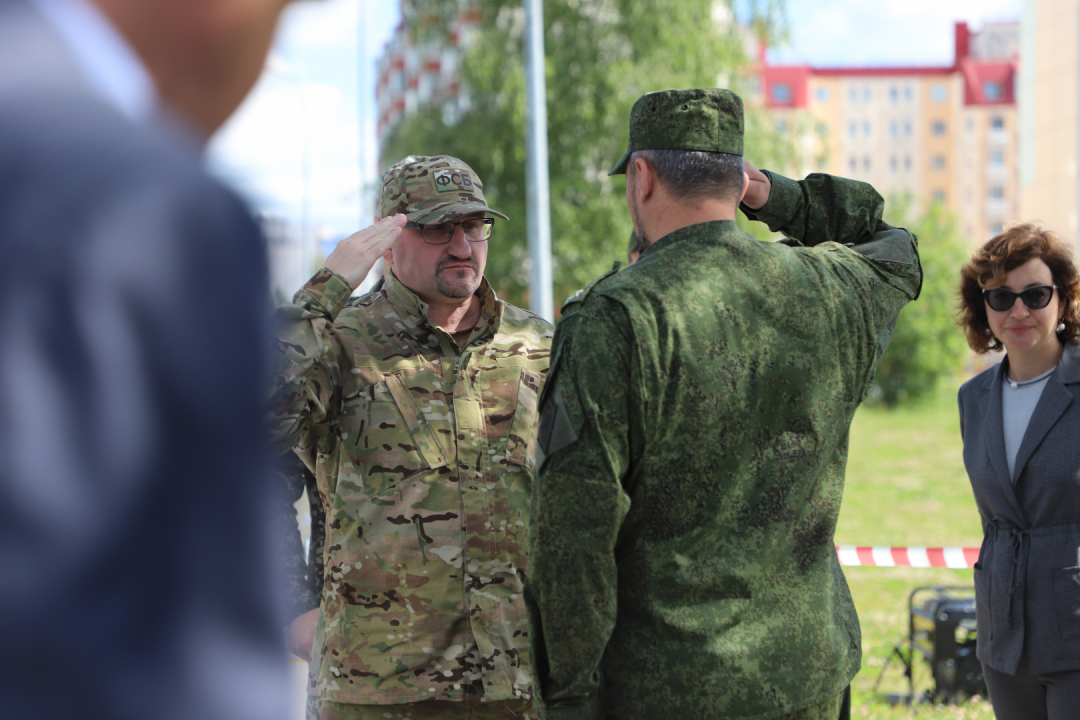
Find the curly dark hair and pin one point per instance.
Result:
(989, 265)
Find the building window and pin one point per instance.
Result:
(938, 195)
(893, 94)
(997, 192)
(853, 94)
(993, 91)
(997, 122)
(866, 163)
(907, 93)
(996, 228)
(866, 129)
(822, 94)
(894, 129)
(939, 93)
(866, 93)
(938, 163)
(938, 128)
(781, 93)
(853, 129)
(907, 128)
(997, 157)
(892, 163)
(853, 164)
(970, 125)
(907, 162)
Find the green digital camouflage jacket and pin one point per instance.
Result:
(422, 453)
(693, 438)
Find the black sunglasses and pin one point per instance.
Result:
(1035, 298)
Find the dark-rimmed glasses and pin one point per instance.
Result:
(1035, 298)
(476, 230)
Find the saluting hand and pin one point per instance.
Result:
(356, 255)
(757, 194)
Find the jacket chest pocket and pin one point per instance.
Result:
(390, 422)
(509, 397)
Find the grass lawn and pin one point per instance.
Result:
(906, 485)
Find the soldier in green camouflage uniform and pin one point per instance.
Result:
(694, 433)
(416, 407)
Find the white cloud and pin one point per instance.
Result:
(303, 145)
(883, 32)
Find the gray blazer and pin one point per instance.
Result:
(1027, 580)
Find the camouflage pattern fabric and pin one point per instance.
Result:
(303, 578)
(431, 189)
(693, 438)
(432, 710)
(422, 452)
(708, 119)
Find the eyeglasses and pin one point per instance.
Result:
(1035, 298)
(476, 230)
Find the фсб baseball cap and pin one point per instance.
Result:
(707, 119)
(432, 188)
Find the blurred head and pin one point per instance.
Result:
(204, 55)
(442, 252)
(1023, 256)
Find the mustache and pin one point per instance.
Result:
(471, 262)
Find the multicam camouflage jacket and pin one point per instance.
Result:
(422, 452)
(693, 438)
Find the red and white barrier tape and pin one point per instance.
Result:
(918, 557)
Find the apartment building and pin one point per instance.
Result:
(945, 134)
(413, 74)
(1049, 115)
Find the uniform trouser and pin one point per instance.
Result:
(423, 710)
(1023, 696)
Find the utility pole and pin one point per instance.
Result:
(537, 184)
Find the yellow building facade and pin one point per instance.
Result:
(920, 134)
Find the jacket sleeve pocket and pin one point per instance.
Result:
(1066, 583)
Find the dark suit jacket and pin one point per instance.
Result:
(135, 576)
(1027, 580)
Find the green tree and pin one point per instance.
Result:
(601, 55)
(927, 346)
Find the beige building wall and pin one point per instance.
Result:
(1049, 122)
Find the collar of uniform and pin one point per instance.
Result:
(410, 302)
(711, 227)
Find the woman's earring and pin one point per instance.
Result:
(1061, 326)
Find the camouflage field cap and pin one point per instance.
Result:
(432, 188)
(708, 119)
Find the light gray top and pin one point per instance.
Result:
(1017, 405)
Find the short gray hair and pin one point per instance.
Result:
(693, 174)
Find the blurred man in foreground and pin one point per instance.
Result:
(134, 531)
(694, 432)
(416, 408)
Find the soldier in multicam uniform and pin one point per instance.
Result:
(694, 434)
(416, 408)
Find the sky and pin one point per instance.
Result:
(302, 147)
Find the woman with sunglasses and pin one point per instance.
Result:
(1020, 422)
